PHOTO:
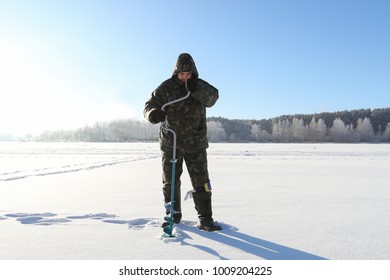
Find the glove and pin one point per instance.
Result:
(192, 85)
(157, 116)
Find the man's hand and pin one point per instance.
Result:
(191, 85)
(157, 116)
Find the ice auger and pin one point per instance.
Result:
(170, 205)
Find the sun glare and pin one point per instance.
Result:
(34, 100)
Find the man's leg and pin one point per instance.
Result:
(167, 182)
(197, 168)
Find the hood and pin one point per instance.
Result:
(185, 63)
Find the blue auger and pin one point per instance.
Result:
(170, 205)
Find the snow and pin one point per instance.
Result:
(103, 201)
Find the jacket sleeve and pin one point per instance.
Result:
(205, 93)
(152, 104)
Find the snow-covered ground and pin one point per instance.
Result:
(274, 201)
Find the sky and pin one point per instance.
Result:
(70, 63)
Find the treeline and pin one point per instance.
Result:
(364, 125)
(114, 131)
(355, 126)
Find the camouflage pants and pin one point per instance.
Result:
(197, 169)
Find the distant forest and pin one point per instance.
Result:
(364, 125)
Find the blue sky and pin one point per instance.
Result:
(68, 63)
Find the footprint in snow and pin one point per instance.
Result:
(47, 218)
(99, 216)
(44, 219)
(136, 223)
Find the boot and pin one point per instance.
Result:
(202, 200)
(209, 226)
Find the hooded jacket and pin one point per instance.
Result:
(188, 117)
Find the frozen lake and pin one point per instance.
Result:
(274, 201)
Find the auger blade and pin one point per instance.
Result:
(168, 230)
(169, 206)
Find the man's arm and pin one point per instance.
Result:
(205, 93)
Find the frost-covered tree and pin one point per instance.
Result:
(365, 130)
(255, 132)
(339, 132)
(260, 135)
(281, 131)
(317, 130)
(386, 134)
(215, 131)
(298, 130)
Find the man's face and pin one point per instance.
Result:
(184, 76)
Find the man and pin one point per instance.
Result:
(188, 119)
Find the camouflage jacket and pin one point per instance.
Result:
(188, 117)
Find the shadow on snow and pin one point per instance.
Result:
(230, 236)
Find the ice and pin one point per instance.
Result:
(274, 201)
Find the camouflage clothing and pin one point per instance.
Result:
(188, 119)
(197, 169)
